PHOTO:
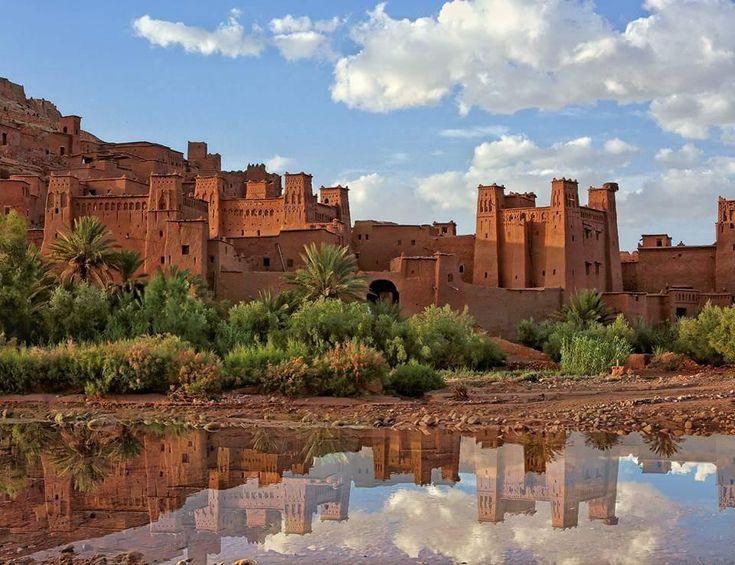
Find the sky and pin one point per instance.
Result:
(412, 103)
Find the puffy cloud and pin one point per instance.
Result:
(687, 156)
(676, 194)
(301, 38)
(521, 165)
(506, 56)
(278, 163)
(229, 38)
(295, 37)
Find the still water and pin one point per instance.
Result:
(377, 496)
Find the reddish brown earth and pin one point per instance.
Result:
(698, 403)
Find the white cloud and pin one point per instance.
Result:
(229, 38)
(521, 165)
(685, 157)
(277, 164)
(301, 38)
(506, 56)
(474, 132)
(295, 37)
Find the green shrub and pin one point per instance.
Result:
(534, 334)
(698, 336)
(248, 364)
(351, 369)
(414, 380)
(447, 339)
(293, 377)
(79, 313)
(257, 321)
(593, 355)
(145, 364)
(326, 322)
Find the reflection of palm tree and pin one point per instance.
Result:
(540, 449)
(319, 442)
(603, 441)
(264, 441)
(86, 456)
(21, 447)
(663, 445)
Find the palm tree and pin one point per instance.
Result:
(127, 262)
(87, 253)
(329, 271)
(585, 307)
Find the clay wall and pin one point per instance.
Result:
(118, 186)
(16, 195)
(463, 246)
(281, 252)
(124, 216)
(251, 218)
(376, 243)
(186, 246)
(237, 286)
(725, 245)
(659, 267)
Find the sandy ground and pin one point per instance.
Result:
(698, 403)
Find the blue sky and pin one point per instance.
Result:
(412, 103)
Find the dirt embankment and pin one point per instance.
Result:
(699, 403)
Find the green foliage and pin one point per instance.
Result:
(291, 377)
(145, 364)
(710, 337)
(248, 364)
(25, 283)
(585, 307)
(446, 339)
(329, 271)
(350, 369)
(80, 313)
(323, 323)
(87, 253)
(176, 304)
(414, 380)
(586, 354)
(534, 334)
(649, 338)
(257, 321)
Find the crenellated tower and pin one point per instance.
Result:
(604, 199)
(299, 201)
(489, 235)
(165, 203)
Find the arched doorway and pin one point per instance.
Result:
(382, 289)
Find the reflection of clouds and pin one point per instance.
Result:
(441, 523)
(701, 470)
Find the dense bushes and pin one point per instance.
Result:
(586, 354)
(145, 364)
(447, 339)
(710, 337)
(414, 379)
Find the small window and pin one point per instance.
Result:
(659, 243)
(61, 151)
(597, 268)
(211, 258)
(367, 236)
(5, 138)
(160, 233)
(413, 242)
(461, 268)
(587, 268)
(289, 263)
(266, 261)
(485, 275)
(400, 242)
(450, 277)
(359, 236)
(163, 260)
(184, 249)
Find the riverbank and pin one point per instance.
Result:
(701, 402)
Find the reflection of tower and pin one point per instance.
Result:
(58, 493)
(726, 472)
(579, 473)
(338, 509)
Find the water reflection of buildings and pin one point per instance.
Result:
(182, 494)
